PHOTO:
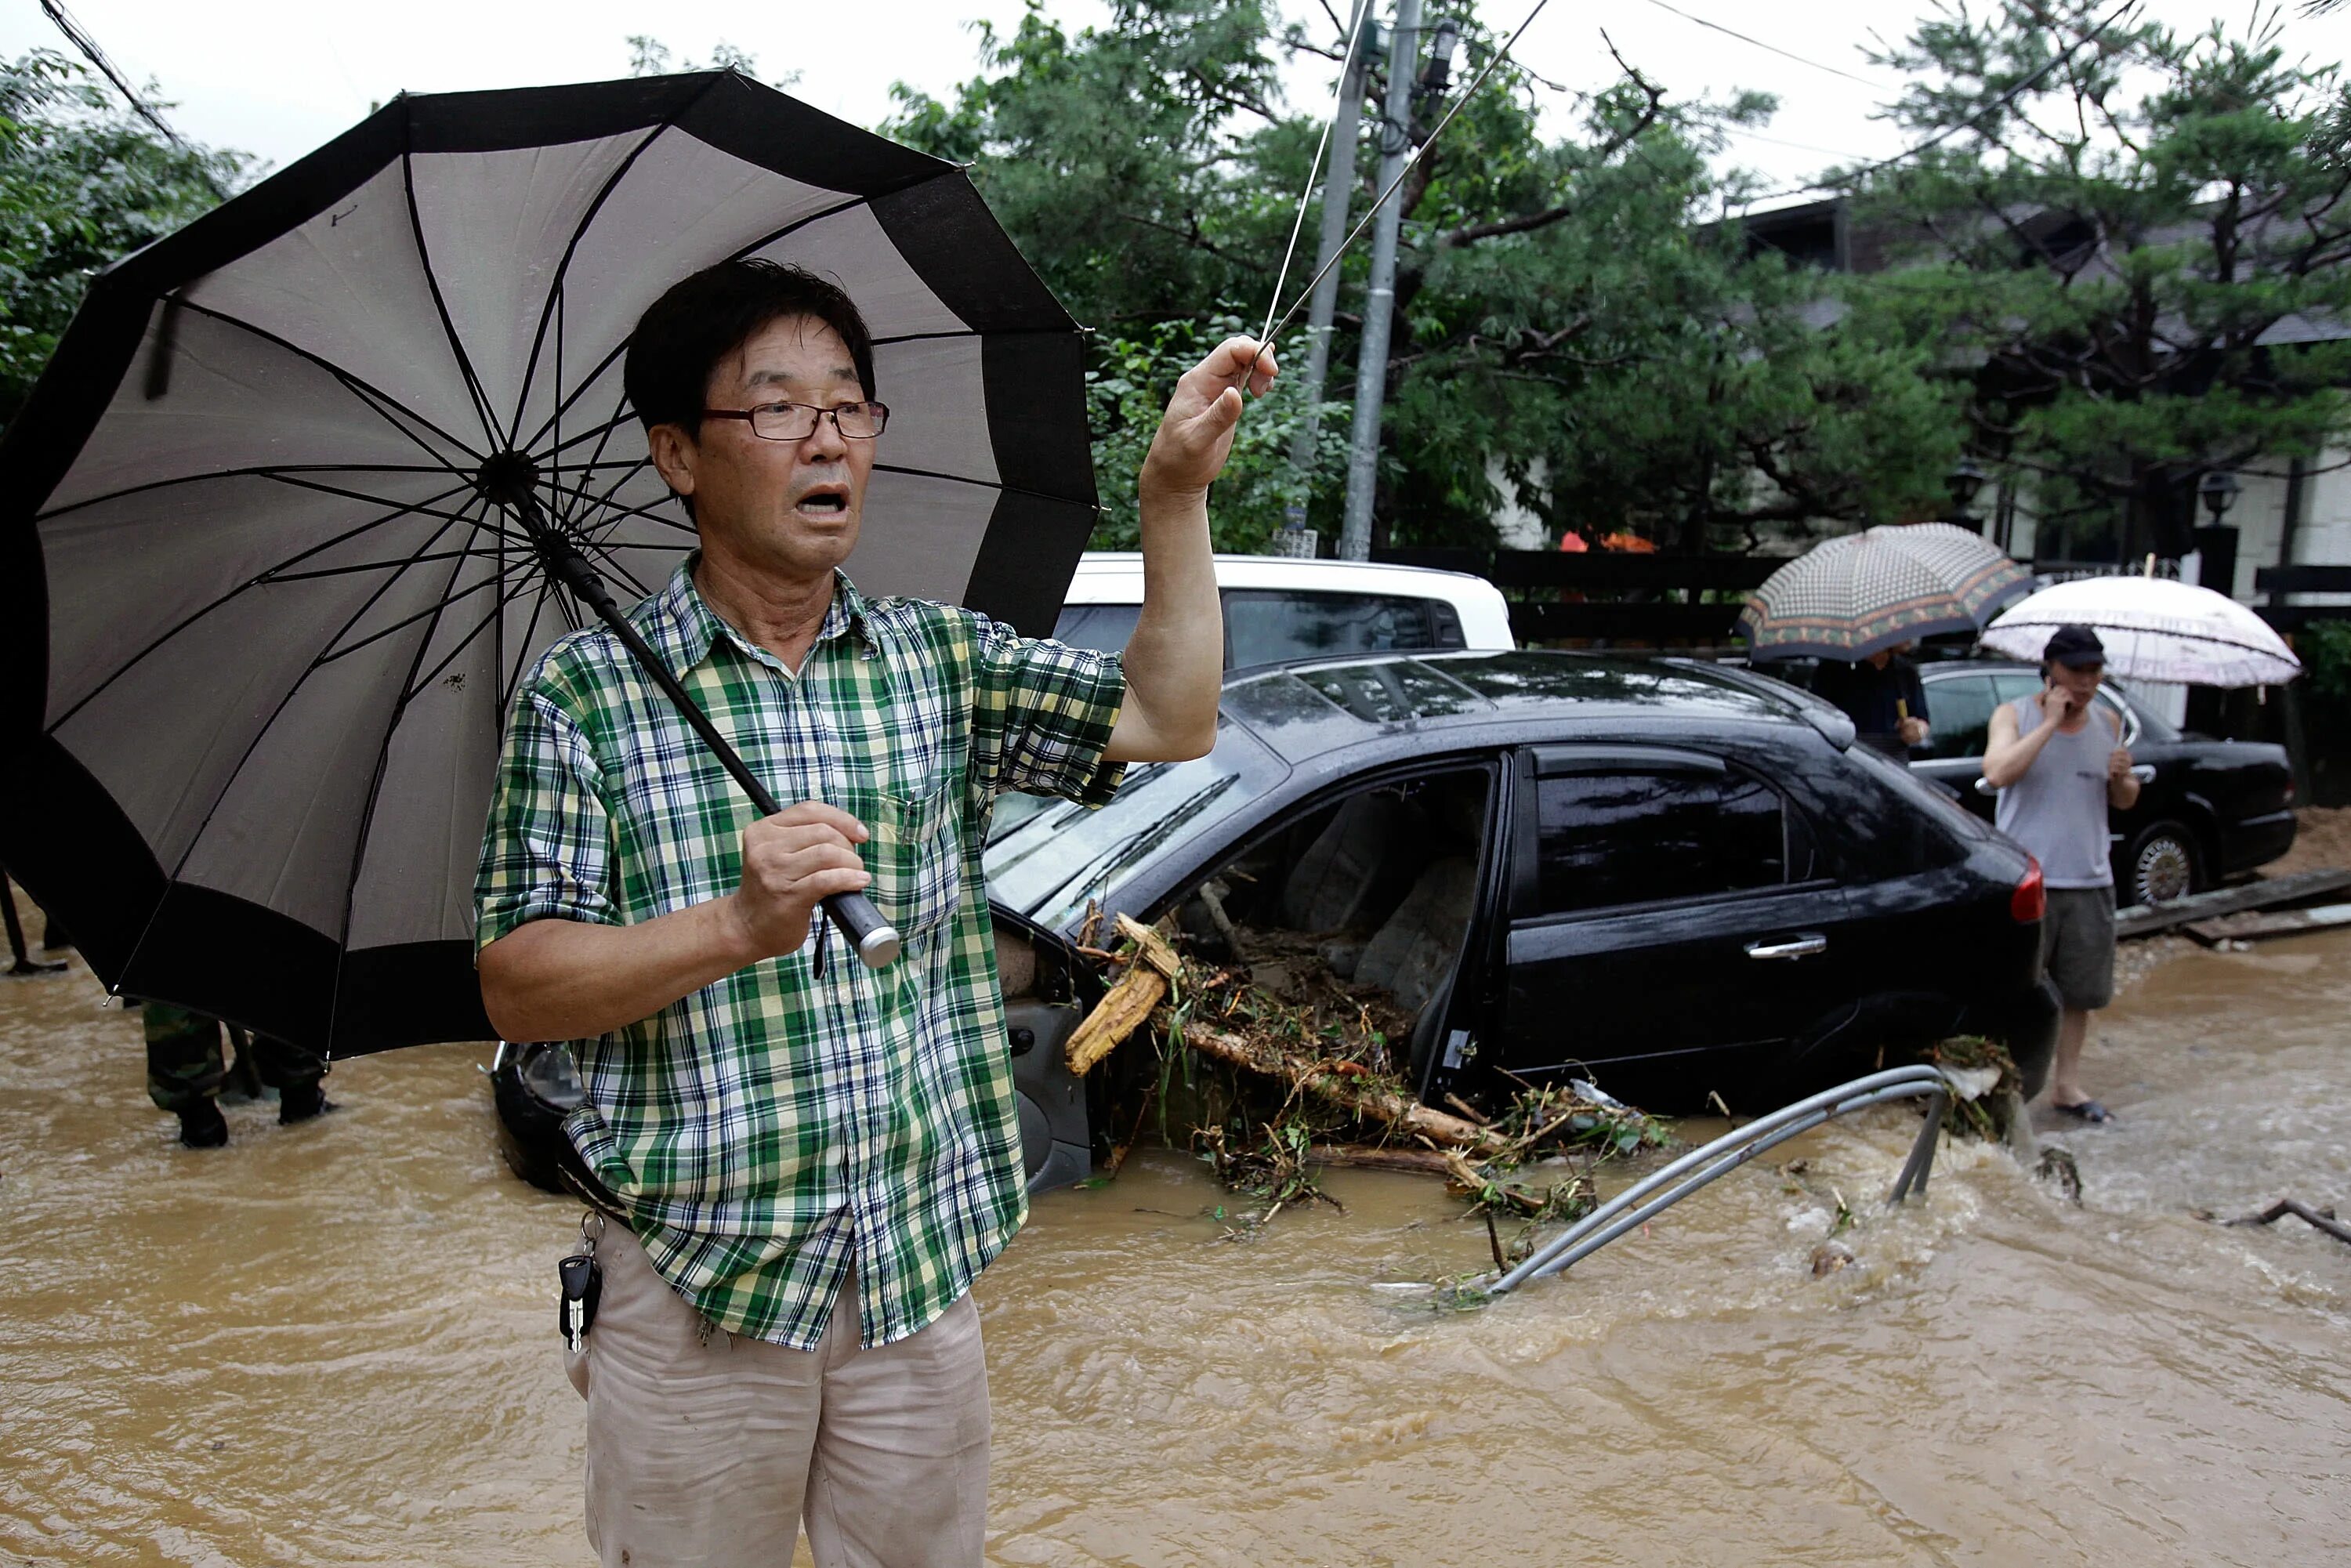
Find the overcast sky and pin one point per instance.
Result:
(275, 78)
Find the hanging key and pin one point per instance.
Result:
(583, 1282)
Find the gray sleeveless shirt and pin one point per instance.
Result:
(2058, 809)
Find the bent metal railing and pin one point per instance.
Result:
(1661, 1190)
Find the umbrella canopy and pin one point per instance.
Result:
(2154, 630)
(1849, 597)
(268, 524)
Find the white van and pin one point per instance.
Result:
(1279, 608)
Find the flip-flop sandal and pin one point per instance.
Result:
(2089, 1111)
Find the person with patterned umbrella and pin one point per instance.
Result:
(1855, 601)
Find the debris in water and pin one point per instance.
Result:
(2057, 1165)
(2324, 1218)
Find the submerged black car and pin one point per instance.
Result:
(1678, 880)
(1673, 878)
(2206, 808)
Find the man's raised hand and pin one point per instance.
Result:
(791, 863)
(1195, 434)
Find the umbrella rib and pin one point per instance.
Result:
(596, 458)
(375, 780)
(264, 471)
(497, 611)
(193, 617)
(563, 403)
(277, 576)
(591, 508)
(984, 484)
(377, 399)
(426, 507)
(529, 634)
(577, 492)
(254, 745)
(975, 332)
(615, 567)
(580, 233)
(482, 408)
(334, 653)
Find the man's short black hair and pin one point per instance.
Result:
(682, 336)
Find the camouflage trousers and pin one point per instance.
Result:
(185, 1065)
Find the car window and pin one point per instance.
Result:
(1051, 862)
(1267, 626)
(1607, 839)
(1959, 712)
(1104, 628)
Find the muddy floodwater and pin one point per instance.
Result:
(334, 1344)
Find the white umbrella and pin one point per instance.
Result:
(2154, 630)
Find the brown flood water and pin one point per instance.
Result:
(334, 1345)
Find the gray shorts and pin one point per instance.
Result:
(2077, 946)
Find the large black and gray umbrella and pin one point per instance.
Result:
(283, 522)
(1849, 597)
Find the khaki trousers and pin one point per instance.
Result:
(712, 1455)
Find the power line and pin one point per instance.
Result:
(2006, 99)
(1393, 185)
(1772, 49)
(81, 39)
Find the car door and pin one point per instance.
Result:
(1667, 932)
(1959, 708)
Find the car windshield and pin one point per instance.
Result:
(1057, 856)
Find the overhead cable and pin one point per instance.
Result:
(1772, 49)
(79, 37)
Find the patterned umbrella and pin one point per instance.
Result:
(1847, 598)
(2154, 630)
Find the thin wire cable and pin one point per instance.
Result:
(1298, 223)
(1393, 185)
(1772, 49)
(2095, 35)
(78, 35)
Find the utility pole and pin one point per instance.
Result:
(1379, 296)
(1338, 195)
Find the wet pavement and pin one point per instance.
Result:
(334, 1344)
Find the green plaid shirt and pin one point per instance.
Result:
(762, 1129)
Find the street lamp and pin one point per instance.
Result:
(2220, 489)
(1966, 477)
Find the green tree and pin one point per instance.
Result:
(2135, 241)
(1566, 316)
(82, 184)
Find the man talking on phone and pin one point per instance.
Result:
(2059, 763)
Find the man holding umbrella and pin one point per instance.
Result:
(811, 1162)
(2058, 767)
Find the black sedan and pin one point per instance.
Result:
(2206, 808)
(1678, 879)
(1673, 878)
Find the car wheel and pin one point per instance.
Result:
(2161, 865)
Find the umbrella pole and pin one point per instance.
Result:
(875, 939)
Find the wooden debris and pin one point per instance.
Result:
(1363, 1156)
(1360, 1093)
(1135, 997)
(2324, 1218)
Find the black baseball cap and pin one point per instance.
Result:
(2075, 647)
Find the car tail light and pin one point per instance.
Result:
(2030, 902)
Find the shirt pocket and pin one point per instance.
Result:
(915, 855)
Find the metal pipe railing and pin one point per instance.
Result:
(1735, 1148)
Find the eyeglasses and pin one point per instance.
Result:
(796, 420)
